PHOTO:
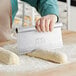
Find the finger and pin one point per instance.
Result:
(37, 26)
(42, 24)
(37, 18)
(47, 22)
(51, 26)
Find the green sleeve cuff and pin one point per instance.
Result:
(49, 10)
(47, 7)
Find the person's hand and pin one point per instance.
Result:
(46, 23)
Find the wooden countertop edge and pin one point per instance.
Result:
(62, 70)
(59, 71)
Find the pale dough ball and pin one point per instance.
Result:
(8, 57)
(57, 57)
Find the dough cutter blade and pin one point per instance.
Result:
(29, 39)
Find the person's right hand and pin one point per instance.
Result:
(46, 23)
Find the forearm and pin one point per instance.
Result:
(33, 3)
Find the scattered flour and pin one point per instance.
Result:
(33, 64)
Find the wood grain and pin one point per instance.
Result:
(7, 42)
(69, 37)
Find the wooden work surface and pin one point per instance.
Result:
(64, 70)
(69, 37)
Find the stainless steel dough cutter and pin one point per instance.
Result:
(28, 39)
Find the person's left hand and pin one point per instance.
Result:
(46, 23)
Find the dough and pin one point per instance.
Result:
(57, 57)
(8, 57)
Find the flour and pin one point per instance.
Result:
(33, 64)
